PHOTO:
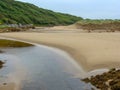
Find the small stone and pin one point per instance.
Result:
(4, 83)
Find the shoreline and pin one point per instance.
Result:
(68, 50)
(65, 50)
(79, 57)
(14, 86)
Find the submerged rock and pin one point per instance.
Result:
(1, 64)
(1, 51)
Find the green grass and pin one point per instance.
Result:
(3, 26)
(10, 43)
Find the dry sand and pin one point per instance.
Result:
(91, 50)
(72, 27)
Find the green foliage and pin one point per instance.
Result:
(18, 12)
(3, 26)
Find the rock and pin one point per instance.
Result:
(1, 64)
(4, 83)
(1, 51)
(108, 80)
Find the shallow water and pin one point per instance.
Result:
(41, 68)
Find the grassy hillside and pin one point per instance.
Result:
(18, 12)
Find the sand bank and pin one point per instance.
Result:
(91, 50)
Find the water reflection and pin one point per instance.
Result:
(38, 68)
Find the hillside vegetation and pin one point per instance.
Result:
(14, 12)
(110, 25)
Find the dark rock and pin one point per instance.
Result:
(99, 81)
(1, 64)
(4, 83)
(1, 51)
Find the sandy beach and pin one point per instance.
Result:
(91, 50)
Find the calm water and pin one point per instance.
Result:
(41, 68)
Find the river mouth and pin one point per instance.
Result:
(41, 68)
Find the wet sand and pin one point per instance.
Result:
(10, 86)
(91, 50)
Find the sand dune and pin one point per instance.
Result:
(91, 50)
(73, 26)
